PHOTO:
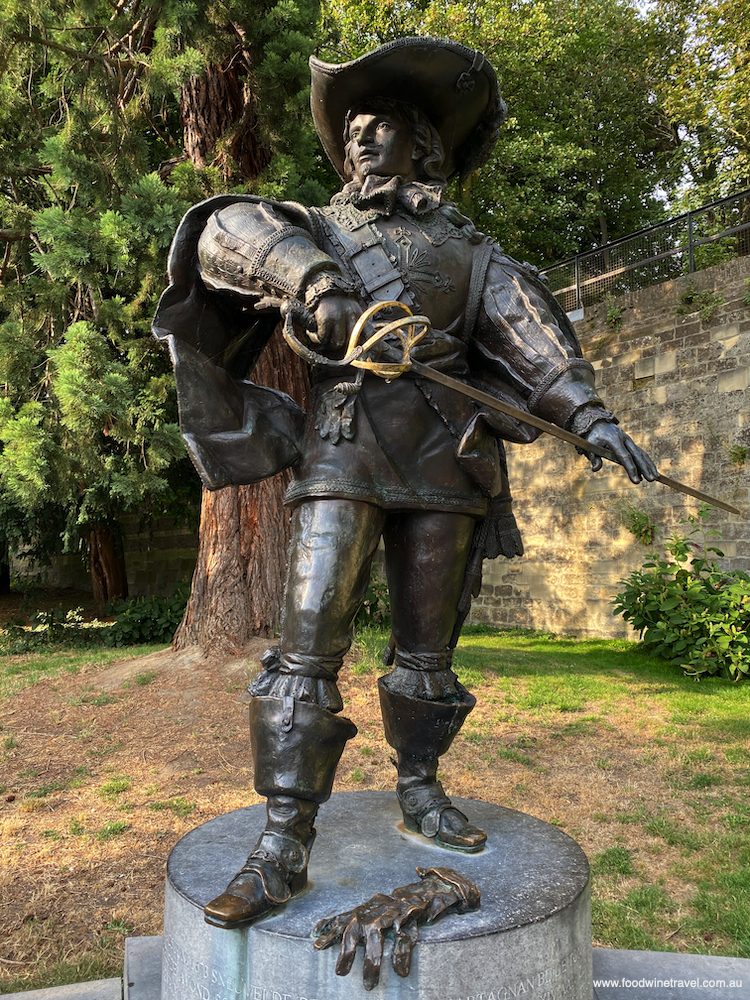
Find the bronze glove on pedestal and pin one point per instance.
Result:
(421, 732)
(296, 747)
(397, 915)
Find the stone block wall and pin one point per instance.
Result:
(158, 556)
(678, 382)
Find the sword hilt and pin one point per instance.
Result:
(409, 329)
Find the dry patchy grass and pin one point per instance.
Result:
(103, 772)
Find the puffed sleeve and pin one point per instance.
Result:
(253, 249)
(524, 338)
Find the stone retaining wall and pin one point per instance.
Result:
(678, 382)
(157, 556)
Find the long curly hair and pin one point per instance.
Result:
(426, 137)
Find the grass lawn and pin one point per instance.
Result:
(106, 762)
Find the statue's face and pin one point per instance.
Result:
(382, 144)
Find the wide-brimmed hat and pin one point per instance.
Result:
(453, 85)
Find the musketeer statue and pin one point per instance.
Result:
(404, 459)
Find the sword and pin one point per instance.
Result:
(410, 330)
(554, 430)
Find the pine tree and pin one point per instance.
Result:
(95, 101)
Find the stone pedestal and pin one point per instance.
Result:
(530, 939)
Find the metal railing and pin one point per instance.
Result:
(691, 242)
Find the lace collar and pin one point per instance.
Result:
(387, 194)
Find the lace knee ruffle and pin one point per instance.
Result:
(280, 679)
(429, 685)
(310, 689)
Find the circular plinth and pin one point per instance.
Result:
(531, 937)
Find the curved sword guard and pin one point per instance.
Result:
(409, 329)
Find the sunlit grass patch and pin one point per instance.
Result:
(722, 907)
(19, 671)
(509, 753)
(672, 834)
(113, 788)
(582, 735)
(177, 805)
(613, 861)
(621, 926)
(112, 829)
(369, 643)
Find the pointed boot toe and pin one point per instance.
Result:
(456, 833)
(257, 890)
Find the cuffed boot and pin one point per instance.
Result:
(296, 748)
(421, 731)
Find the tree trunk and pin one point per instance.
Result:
(244, 533)
(109, 578)
(4, 568)
(219, 121)
(244, 538)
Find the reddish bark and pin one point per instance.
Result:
(244, 533)
(109, 578)
(219, 121)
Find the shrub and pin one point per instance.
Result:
(147, 619)
(376, 607)
(687, 609)
(48, 630)
(639, 524)
(614, 314)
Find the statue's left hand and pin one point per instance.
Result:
(623, 449)
(397, 916)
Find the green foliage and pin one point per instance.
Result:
(613, 861)
(687, 609)
(703, 84)
(738, 454)
(705, 302)
(639, 524)
(178, 805)
(586, 145)
(717, 252)
(113, 788)
(49, 629)
(614, 315)
(112, 829)
(376, 607)
(147, 619)
(93, 183)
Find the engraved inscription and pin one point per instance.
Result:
(187, 978)
(550, 984)
(261, 993)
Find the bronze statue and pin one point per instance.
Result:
(408, 460)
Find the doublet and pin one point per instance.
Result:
(409, 443)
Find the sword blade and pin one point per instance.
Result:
(559, 432)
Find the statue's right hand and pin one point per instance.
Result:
(335, 316)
